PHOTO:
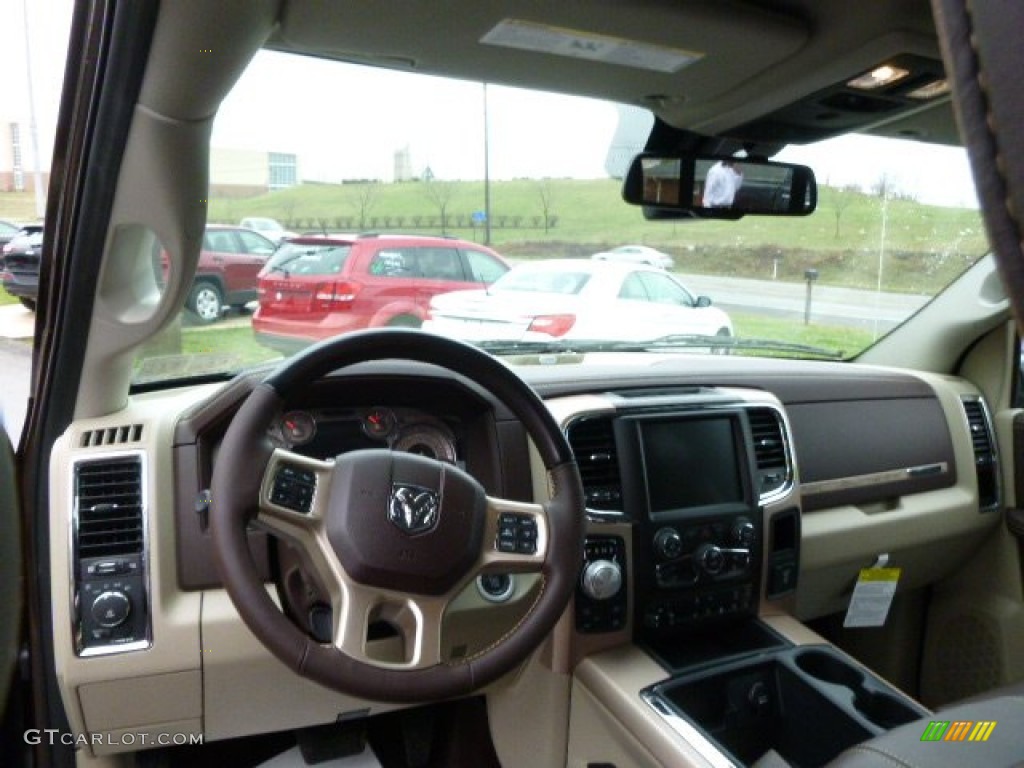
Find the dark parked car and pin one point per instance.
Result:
(321, 286)
(19, 264)
(226, 276)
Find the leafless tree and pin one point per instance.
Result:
(842, 197)
(363, 197)
(440, 193)
(546, 196)
(883, 186)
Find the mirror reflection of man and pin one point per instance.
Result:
(721, 184)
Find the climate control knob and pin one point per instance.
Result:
(710, 558)
(601, 579)
(743, 532)
(111, 609)
(668, 543)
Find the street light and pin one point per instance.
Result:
(33, 129)
(881, 258)
(487, 175)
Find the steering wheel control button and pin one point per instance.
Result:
(496, 587)
(294, 488)
(516, 533)
(111, 609)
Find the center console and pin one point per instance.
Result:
(695, 474)
(705, 480)
(808, 704)
(700, 531)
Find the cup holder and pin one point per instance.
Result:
(830, 669)
(883, 709)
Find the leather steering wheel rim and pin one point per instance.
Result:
(240, 497)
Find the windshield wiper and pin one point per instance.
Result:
(279, 266)
(741, 342)
(675, 341)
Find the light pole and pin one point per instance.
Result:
(881, 258)
(33, 130)
(487, 174)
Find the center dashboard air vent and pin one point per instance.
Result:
(986, 462)
(108, 504)
(770, 454)
(593, 444)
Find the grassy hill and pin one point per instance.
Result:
(925, 247)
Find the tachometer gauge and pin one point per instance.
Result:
(427, 440)
(298, 427)
(378, 423)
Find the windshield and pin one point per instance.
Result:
(533, 278)
(453, 195)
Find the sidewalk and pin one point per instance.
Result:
(16, 322)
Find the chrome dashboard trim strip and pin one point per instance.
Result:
(819, 487)
(687, 731)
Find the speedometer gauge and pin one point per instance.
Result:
(298, 427)
(427, 440)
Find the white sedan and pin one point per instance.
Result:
(579, 300)
(269, 228)
(637, 254)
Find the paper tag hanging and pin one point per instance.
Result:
(872, 597)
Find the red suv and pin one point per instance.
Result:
(320, 286)
(227, 272)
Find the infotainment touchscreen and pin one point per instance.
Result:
(691, 462)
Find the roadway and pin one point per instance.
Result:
(830, 305)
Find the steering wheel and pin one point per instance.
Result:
(393, 534)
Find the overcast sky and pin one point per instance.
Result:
(288, 104)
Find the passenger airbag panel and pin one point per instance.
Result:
(884, 448)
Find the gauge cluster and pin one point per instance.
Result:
(326, 432)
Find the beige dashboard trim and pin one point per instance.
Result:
(615, 679)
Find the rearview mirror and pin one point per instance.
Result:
(707, 186)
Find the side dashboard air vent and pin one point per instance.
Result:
(593, 445)
(108, 505)
(770, 456)
(128, 433)
(986, 462)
